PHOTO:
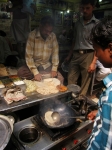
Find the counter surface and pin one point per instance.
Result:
(32, 99)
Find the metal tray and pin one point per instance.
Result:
(18, 82)
(9, 82)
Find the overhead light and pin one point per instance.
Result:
(100, 0)
(68, 11)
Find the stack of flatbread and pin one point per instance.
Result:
(3, 71)
(48, 86)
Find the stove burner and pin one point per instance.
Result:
(55, 134)
(29, 135)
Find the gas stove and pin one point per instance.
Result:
(34, 135)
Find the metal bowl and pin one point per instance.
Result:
(74, 88)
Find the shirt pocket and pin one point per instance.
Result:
(49, 47)
(87, 32)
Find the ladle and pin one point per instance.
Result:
(56, 117)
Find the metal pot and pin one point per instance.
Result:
(75, 89)
(29, 135)
(6, 129)
(54, 105)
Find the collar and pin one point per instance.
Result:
(38, 35)
(92, 19)
(108, 80)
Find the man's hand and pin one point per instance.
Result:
(92, 115)
(38, 77)
(53, 74)
(92, 68)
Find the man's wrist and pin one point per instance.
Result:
(54, 68)
(94, 63)
(35, 72)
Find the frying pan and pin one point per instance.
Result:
(63, 109)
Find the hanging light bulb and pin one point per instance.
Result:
(68, 11)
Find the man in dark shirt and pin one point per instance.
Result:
(20, 27)
(83, 61)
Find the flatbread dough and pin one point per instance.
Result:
(52, 80)
(49, 120)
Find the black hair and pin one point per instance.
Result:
(47, 20)
(2, 33)
(85, 2)
(102, 32)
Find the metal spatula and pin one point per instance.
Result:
(56, 117)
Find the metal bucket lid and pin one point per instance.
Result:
(74, 88)
(5, 133)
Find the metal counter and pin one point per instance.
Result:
(32, 99)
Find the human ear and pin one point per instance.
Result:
(110, 49)
(110, 46)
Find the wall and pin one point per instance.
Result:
(5, 20)
(58, 10)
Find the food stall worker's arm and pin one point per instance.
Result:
(55, 57)
(92, 66)
(29, 55)
(92, 115)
